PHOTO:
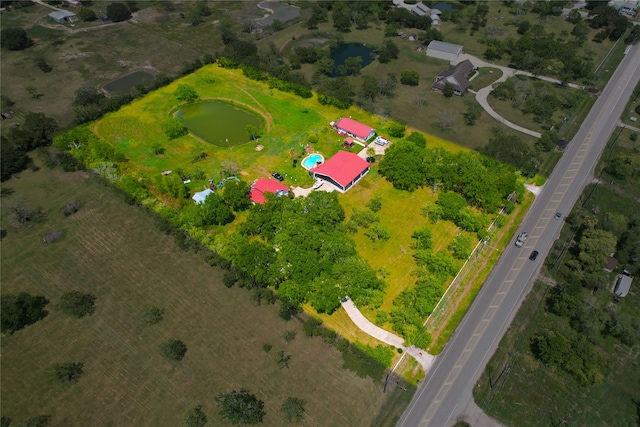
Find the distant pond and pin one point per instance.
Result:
(443, 6)
(125, 83)
(218, 122)
(340, 53)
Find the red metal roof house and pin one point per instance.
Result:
(355, 129)
(343, 170)
(264, 185)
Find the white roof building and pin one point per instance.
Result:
(441, 50)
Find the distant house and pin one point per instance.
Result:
(612, 263)
(623, 285)
(343, 170)
(264, 185)
(355, 129)
(456, 76)
(441, 50)
(201, 196)
(63, 16)
(626, 7)
(73, 3)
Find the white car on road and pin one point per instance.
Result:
(521, 239)
(318, 184)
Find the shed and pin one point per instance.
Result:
(612, 263)
(63, 16)
(441, 50)
(201, 196)
(623, 285)
(343, 170)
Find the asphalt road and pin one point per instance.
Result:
(445, 391)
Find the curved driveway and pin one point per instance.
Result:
(447, 388)
(483, 94)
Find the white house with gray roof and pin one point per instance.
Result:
(441, 50)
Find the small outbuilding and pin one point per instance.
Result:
(262, 186)
(441, 50)
(623, 285)
(201, 196)
(612, 263)
(63, 16)
(343, 170)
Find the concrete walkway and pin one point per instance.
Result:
(424, 358)
(483, 94)
(626, 126)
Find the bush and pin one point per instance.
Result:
(85, 14)
(267, 348)
(70, 208)
(76, 304)
(173, 128)
(67, 372)
(152, 315)
(118, 12)
(53, 236)
(173, 349)
(195, 417)
(410, 78)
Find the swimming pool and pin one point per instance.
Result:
(312, 160)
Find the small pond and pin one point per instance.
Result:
(340, 53)
(282, 12)
(125, 83)
(443, 6)
(219, 123)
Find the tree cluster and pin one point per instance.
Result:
(37, 130)
(303, 252)
(20, 310)
(482, 181)
(76, 304)
(14, 38)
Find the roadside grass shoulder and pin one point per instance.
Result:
(114, 251)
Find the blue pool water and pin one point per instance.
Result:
(311, 161)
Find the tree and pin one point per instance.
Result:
(118, 12)
(67, 372)
(173, 349)
(448, 90)
(216, 211)
(174, 128)
(198, 12)
(388, 51)
(418, 139)
(186, 93)
(240, 407)
(473, 113)
(353, 65)
(282, 359)
(423, 238)
(410, 78)
(36, 131)
(403, 166)
(236, 195)
(13, 160)
(86, 15)
(293, 409)
(14, 38)
(195, 417)
(77, 304)
(375, 203)
(254, 132)
(21, 310)
(396, 129)
(289, 335)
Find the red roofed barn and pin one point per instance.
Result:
(355, 129)
(264, 185)
(342, 170)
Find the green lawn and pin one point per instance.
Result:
(115, 252)
(485, 77)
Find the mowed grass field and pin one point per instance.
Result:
(113, 251)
